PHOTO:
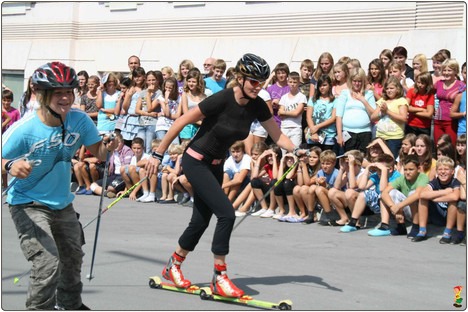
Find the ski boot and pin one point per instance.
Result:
(221, 284)
(173, 273)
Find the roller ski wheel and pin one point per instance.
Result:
(285, 305)
(155, 282)
(205, 293)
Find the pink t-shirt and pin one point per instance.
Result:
(446, 98)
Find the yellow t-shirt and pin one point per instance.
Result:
(388, 129)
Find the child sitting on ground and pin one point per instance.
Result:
(236, 170)
(326, 178)
(168, 173)
(438, 201)
(135, 171)
(344, 193)
(400, 194)
(372, 182)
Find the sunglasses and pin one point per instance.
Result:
(255, 83)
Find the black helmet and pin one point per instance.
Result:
(54, 75)
(253, 66)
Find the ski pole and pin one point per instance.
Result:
(96, 235)
(116, 200)
(268, 192)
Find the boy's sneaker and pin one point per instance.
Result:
(267, 214)
(240, 213)
(457, 239)
(309, 219)
(148, 199)
(379, 232)
(88, 192)
(278, 216)
(81, 190)
(419, 238)
(259, 213)
(348, 228)
(413, 232)
(141, 197)
(184, 200)
(445, 239)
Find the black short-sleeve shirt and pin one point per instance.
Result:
(226, 122)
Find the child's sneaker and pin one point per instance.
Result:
(259, 213)
(267, 214)
(173, 273)
(221, 284)
(240, 213)
(348, 228)
(379, 232)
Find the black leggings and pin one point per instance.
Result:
(209, 199)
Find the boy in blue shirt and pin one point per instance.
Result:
(326, 177)
(40, 200)
(217, 82)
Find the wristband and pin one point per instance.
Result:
(296, 151)
(8, 165)
(157, 156)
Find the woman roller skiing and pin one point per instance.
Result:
(227, 116)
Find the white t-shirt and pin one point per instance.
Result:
(290, 104)
(134, 162)
(231, 165)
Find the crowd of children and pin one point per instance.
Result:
(368, 136)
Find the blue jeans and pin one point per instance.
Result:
(147, 134)
(394, 145)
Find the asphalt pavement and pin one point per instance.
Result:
(314, 266)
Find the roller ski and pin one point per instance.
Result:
(206, 294)
(222, 289)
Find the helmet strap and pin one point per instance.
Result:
(244, 95)
(58, 116)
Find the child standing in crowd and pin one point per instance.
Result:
(376, 77)
(461, 151)
(340, 78)
(397, 70)
(81, 89)
(306, 70)
(146, 107)
(194, 93)
(448, 91)
(28, 102)
(391, 115)
(400, 198)
(106, 102)
(13, 113)
(353, 110)
(88, 100)
(135, 171)
(386, 56)
(321, 116)
(307, 170)
(169, 102)
(119, 112)
(278, 88)
(421, 105)
(216, 82)
(167, 72)
(184, 68)
(324, 67)
(438, 201)
(236, 170)
(460, 236)
(291, 106)
(132, 123)
(458, 112)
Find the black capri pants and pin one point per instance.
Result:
(285, 187)
(209, 199)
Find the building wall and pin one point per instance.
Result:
(100, 36)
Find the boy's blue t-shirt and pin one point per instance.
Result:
(376, 179)
(329, 178)
(49, 181)
(214, 85)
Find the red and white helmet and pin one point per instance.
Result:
(54, 75)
